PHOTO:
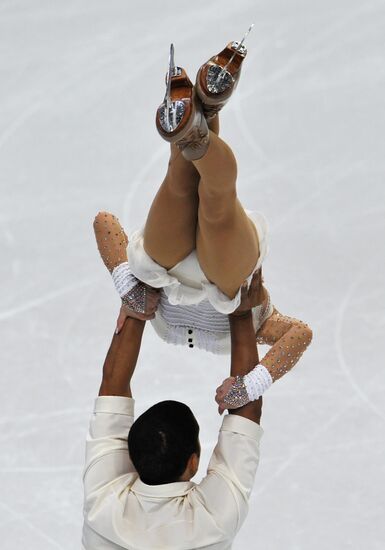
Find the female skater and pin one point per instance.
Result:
(187, 269)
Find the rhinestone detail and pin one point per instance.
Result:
(176, 71)
(218, 79)
(171, 120)
(237, 396)
(242, 50)
(288, 337)
(136, 298)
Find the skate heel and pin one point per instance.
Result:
(179, 119)
(218, 78)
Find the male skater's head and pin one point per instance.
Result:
(164, 443)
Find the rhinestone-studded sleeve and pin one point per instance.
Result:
(112, 244)
(111, 240)
(288, 339)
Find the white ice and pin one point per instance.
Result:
(80, 82)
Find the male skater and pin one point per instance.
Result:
(139, 493)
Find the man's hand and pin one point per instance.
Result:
(252, 296)
(152, 300)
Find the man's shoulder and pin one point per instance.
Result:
(120, 486)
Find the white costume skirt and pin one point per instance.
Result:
(192, 310)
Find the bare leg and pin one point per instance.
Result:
(226, 242)
(171, 226)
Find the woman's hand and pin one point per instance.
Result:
(152, 300)
(222, 391)
(252, 296)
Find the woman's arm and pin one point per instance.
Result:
(288, 337)
(139, 301)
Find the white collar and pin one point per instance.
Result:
(167, 490)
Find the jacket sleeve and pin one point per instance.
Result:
(226, 489)
(107, 455)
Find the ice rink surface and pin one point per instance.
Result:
(80, 82)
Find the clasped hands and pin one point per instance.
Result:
(251, 296)
(152, 298)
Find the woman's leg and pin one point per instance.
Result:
(171, 226)
(169, 233)
(227, 241)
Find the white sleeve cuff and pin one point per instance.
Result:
(240, 425)
(257, 382)
(114, 404)
(123, 278)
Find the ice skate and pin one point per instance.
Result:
(180, 119)
(217, 79)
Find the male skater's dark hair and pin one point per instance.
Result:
(162, 440)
